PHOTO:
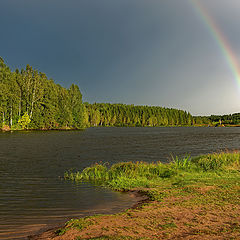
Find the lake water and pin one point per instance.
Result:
(33, 194)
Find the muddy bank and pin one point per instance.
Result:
(49, 232)
(174, 218)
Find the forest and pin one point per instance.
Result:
(29, 100)
(226, 120)
(121, 115)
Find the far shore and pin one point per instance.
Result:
(8, 129)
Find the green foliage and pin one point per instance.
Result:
(219, 120)
(231, 119)
(29, 99)
(121, 115)
(200, 120)
(24, 121)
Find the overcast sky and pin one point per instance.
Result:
(143, 52)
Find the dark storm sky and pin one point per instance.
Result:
(148, 52)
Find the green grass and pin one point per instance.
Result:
(179, 173)
(75, 223)
(218, 161)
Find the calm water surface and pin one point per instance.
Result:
(33, 194)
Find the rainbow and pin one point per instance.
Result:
(220, 39)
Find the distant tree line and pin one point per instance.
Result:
(218, 120)
(28, 99)
(230, 119)
(202, 121)
(106, 114)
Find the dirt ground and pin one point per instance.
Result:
(173, 218)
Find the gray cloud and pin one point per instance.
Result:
(152, 52)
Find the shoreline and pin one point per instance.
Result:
(50, 232)
(8, 129)
(32, 130)
(82, 129)
(188, 198)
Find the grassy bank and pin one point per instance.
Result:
(189, 198)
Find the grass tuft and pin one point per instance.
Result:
(79, 224)
(218, 161)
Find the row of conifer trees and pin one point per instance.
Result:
(105, 114)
